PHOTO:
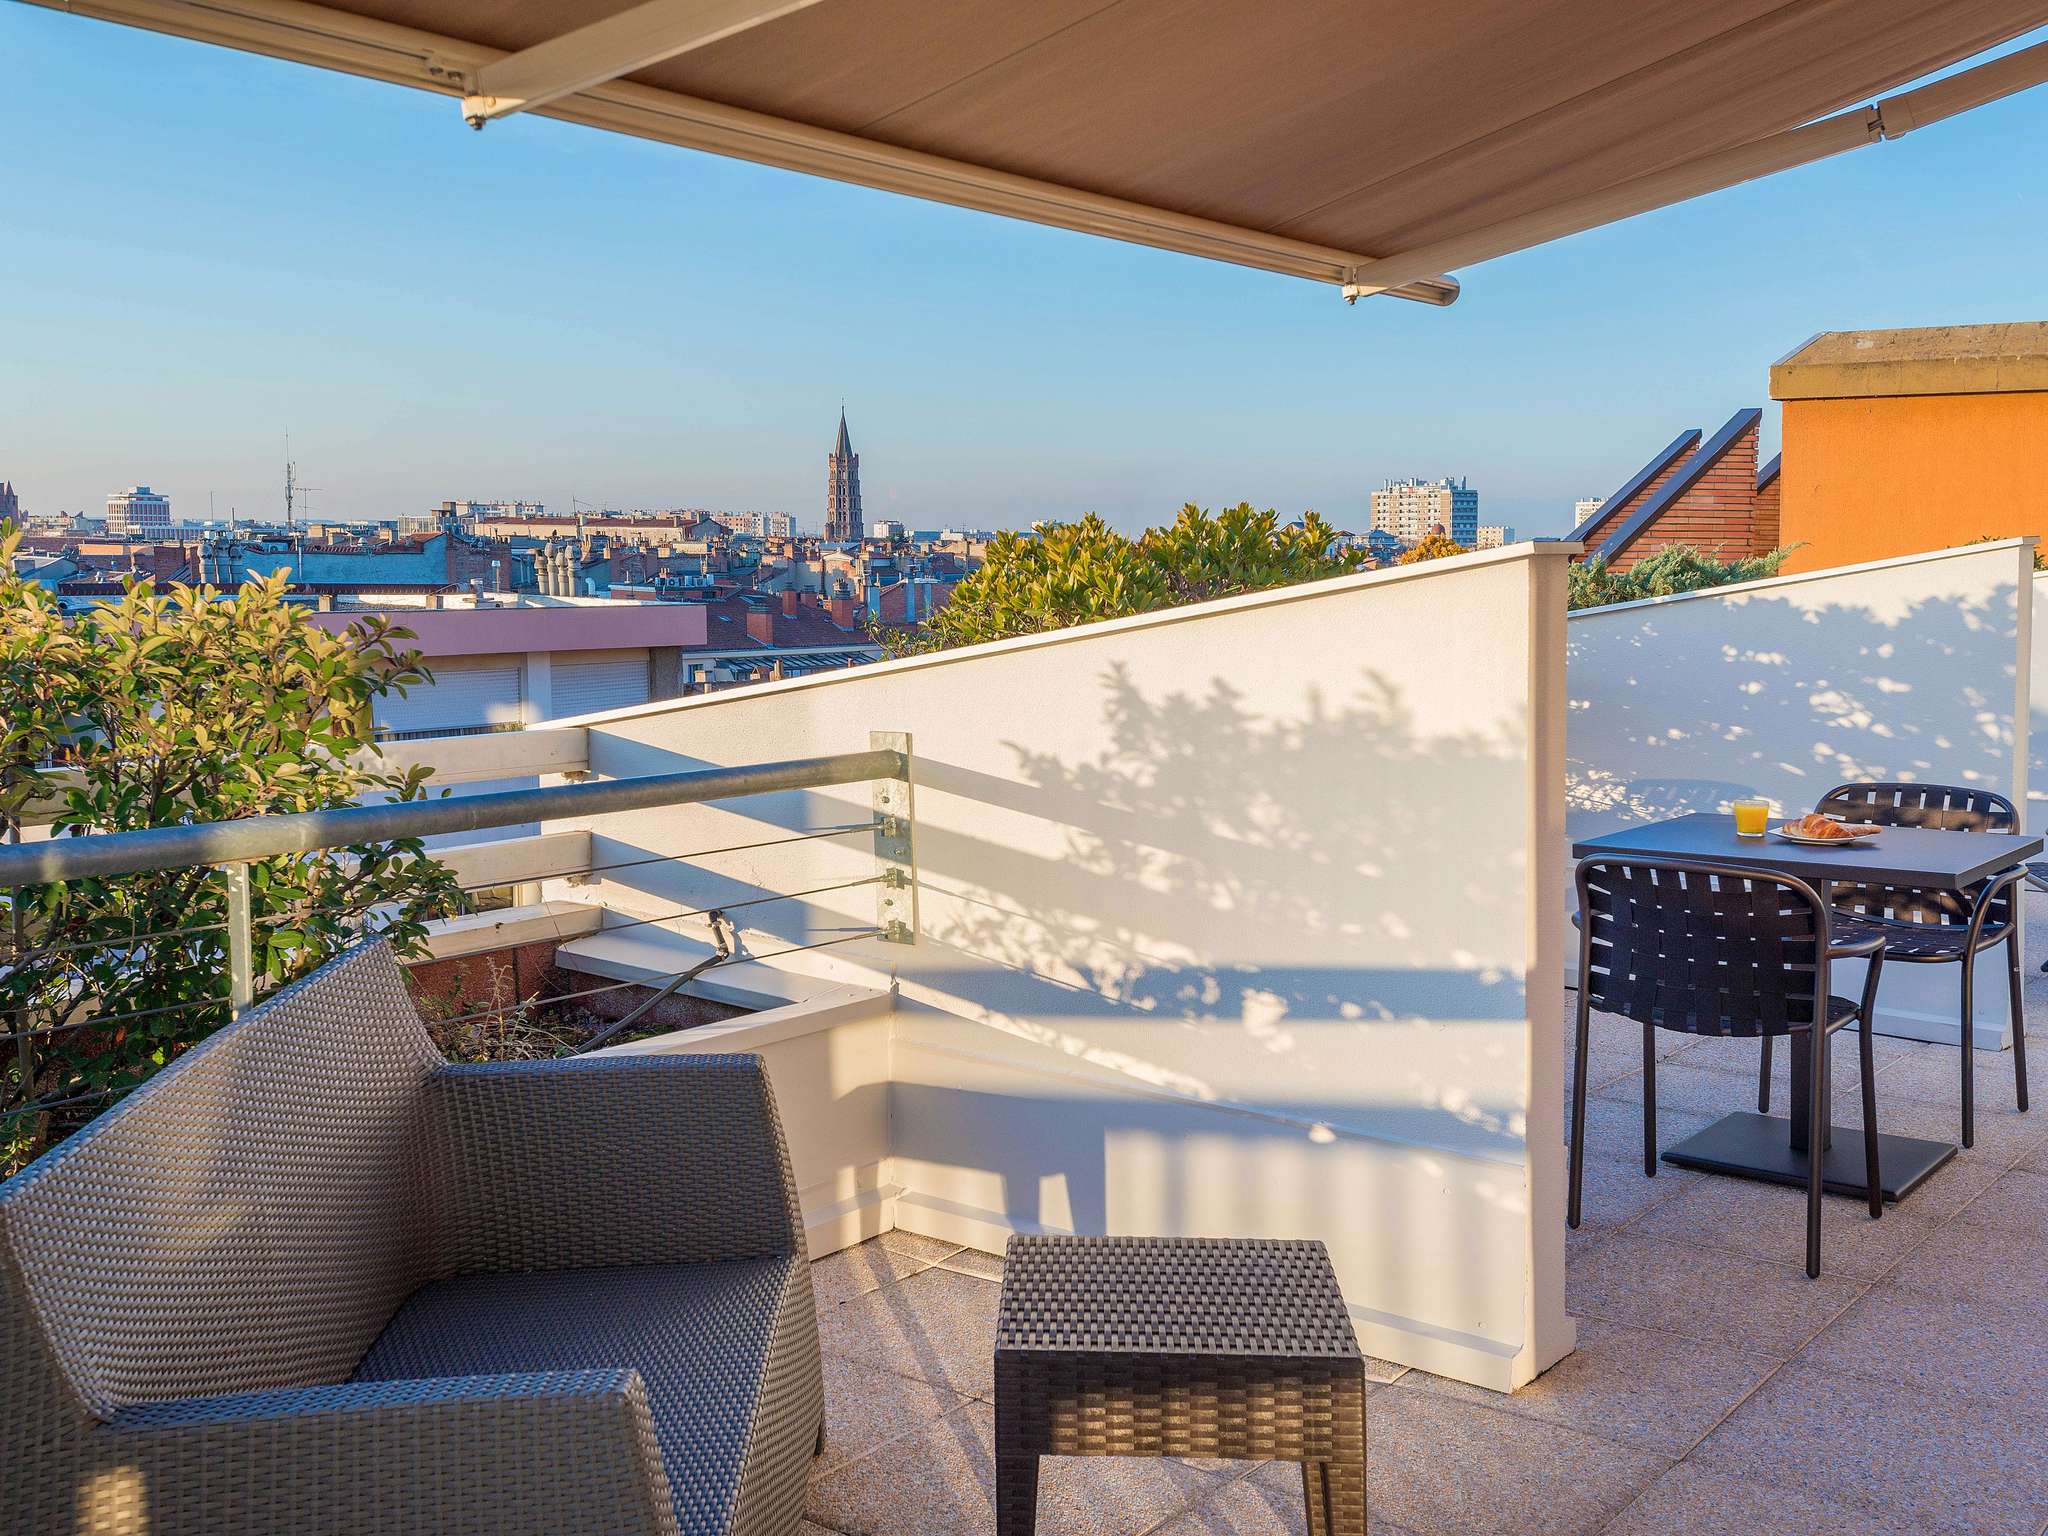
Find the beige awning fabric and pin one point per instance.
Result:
(1352, 143)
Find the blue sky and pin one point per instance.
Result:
(202, 250)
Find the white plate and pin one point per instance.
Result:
(1857, 836)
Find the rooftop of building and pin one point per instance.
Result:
(1917, 360)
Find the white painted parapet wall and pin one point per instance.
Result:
(1916, 668)
(1239, 919)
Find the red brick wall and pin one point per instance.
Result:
(1715, 515)
(1763, 518)
(1610, 517)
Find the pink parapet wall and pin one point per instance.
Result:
(493, 631)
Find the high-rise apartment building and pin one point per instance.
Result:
(1494, 536)
(138, 510)
(1585, 507)
(843, 522)
(1410, 509)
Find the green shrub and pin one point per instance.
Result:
(1678, 568)
(157, 710)
(1065, 574)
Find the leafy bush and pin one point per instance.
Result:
(1678, 568)
(157, 710)
(1073, 573)
(1434, 547)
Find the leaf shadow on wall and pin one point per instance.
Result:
(1309, 915)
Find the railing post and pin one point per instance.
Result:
(896, 895)
(241, 957)
(17, 941)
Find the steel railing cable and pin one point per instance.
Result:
(72, 946)
(733, 906)
(671, 858)
(102, 1020)
(555, 999)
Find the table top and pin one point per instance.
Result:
(1181, 1296)
(1910, 856)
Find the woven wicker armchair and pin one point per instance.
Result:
(312, 1278)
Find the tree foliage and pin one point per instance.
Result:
(161, 709)
(1064, 574)
(1435, 546)
(1677, 568)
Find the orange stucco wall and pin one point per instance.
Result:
(1865, 479)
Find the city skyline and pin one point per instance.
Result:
(665, 339)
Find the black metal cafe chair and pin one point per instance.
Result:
(1930, 927)
(1707, 949)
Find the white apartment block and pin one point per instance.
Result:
(1585, 507)
(139, 510)
(1409, 509)
(762, 525)
(1494, 536)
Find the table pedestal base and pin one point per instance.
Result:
(1752, 1146)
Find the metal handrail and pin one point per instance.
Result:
(261, 837)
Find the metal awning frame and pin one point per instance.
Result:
(576, 78)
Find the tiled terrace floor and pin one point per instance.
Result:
(1715, 1388)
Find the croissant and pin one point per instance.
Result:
(1816, 825)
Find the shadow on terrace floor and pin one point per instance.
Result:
(1715, 1390)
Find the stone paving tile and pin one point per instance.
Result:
(1616, 1191)
(971, 1261)
(1615, 1126)
(1649, 1389)
(1928, 1462)
(1266, 1502)
(1768, 1221)
(866, 1408)
(937, 1325)
(1703, 1293)
(2017, 1202)
(1697, 1090)
(930, 1249)
(1729, 1054)
(1965, 1260)
(1936, 1077)
(1738, 1059)
(1446, 1467)
(857, 1270)
(938, 1481)
(1688, 1501)
(1617, 1047)
(1992, 1346)
(2002, 1140)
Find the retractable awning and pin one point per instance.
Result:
(1369, 145)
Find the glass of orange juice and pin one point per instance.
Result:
(1752, 816)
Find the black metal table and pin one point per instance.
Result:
(1755, 1146)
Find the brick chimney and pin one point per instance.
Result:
(789, 600)
(843, 609)
(761, 625)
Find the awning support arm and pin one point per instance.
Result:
(1890, 118)
(606, 50)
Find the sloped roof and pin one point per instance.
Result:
(1704, 458)
(1616, 506)
(1309, 137)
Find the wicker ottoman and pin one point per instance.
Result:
(1125, 1346)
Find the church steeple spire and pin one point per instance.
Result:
(843, 521)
